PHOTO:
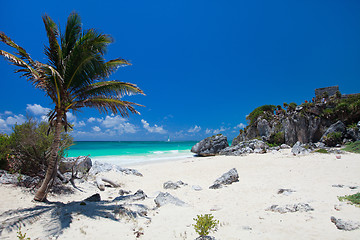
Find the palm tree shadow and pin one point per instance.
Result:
(55, 217)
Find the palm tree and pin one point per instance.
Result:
(74, 77)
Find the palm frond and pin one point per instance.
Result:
(108, 88)
(20, 51)
(106, 105)
(29, 71)
(114, 65)
(72, 33)
(53, 52)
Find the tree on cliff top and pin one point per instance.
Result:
(260, 111)
(74, 77)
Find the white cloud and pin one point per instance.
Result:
(96, 129)
(3, 125)
(118, 123)
(208, 131)
(18, 119)
(194, 129)
(240, 125)
(80, 124)
(92, 119)
(221, 129)
(154, 129)
(8, 113)
(70, 117)
(37, 109)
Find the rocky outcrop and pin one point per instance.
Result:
(253, 146)
(210, 146)
(338, 127)
(226, 179)
(345, 225)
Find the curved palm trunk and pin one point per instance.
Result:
(52, 165)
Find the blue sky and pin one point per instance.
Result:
(204, 65)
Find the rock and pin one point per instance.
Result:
(345, 225)
(358, 124)
(80, 164)
(205, 238)
(166, 198)
(285, 146)
(285, 191)
(139, 195)
(336, 127)
(94, 198)
(196, 188)
(301, 207)
(246, 228)
(338, 185)
(319, 145)
(210, 146)
(263, 128)
(99, 167)
(299, 149)
(123, 192)
(173, 185)
(353, 134)
(253, 146)
(226, 179)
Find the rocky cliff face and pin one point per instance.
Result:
(304, 125)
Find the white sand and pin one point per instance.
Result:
(240, 207)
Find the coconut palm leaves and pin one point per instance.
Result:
(74, 76)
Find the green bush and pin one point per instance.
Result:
(292, 106)
(5, 151)
(354, 199)
(205, 224)
(277, 139)
(29, 146)
(321, 151)
(353, 147)
(260, 111)
(332, 139)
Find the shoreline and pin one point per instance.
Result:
(241, 207)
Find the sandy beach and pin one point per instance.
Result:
(240, 207)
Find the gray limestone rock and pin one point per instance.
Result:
(196, 188)
(252, 146)
(106, 167)
(210, 146)
(285, 146)
(94, 198)
(336, 127)
(166, 198)
(345, 225)
(226, 179)
(173, 185)
(80, 164)
(298, 207)
(299, 149)
(139, 195)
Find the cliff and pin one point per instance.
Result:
(307, 122)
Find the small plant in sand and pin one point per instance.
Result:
(21, 236)
(204, 224)
(354, 199)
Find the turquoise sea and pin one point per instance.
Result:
(131, 152)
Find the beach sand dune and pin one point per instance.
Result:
(242, 207)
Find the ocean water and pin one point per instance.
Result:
(131, 153)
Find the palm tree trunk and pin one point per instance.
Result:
(52, 164)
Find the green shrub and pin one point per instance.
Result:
(30, 147)
(5, 151)
(353, 147)
(321, 151)
(292, 106)
(332, 139)
(21, 236)
(354, 199)
(205, 224)
(277, 139)
(260, 111)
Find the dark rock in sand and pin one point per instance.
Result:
(173, 185)
(345, 225)
(94, 198)
(210, 146)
